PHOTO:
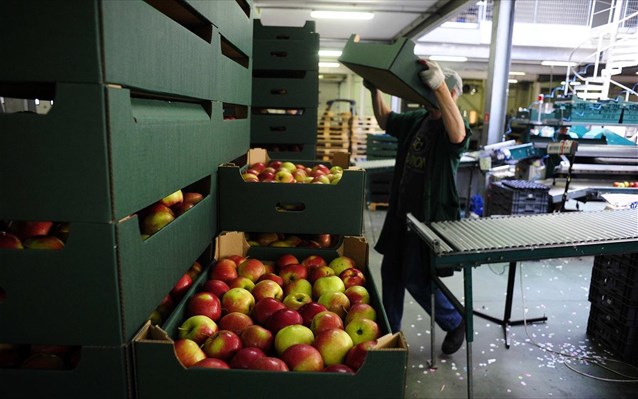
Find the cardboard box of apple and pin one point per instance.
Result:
(156, 216)
(290, 240)
(27, 234)
(305, 322)
(306, 197)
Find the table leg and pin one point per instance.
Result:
(433, 287)
(469, 327)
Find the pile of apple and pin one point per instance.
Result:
(284, 240)
(633, 184)
(20, 234)
(155, 217)
(46, 357)
(286, 315)
(289, 172)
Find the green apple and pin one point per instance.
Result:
(292, 335)
(362, 330)
(302, 286)
(335, 301)
(327, 284)
(333, 345)
(296, 300)
(341, 263)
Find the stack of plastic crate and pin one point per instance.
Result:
(515, 197)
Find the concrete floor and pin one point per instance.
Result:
(555, 288)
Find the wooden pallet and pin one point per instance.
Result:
(374, 205)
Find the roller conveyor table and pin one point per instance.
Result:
(469, 243)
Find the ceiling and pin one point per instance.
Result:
(421, 21)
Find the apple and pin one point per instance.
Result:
(303, 357)
(235, 258)
(288, 166)
(292, 335)
(155, 318)
(267, 288)
(360, 311)
(275, 164)
(292, 272)
(238, 300)
(299, 175)
(286, 259)
(197, 328)
(188, 352)
(309, 310)
(236, 322)
(195, 270)
(241, 282)
(282, 318)
(266, 238)
(253, 171)
(284, 176)
(172, 199)
(296, 300)
(336, 169)
(302, 286)
(43, 242)
(215, 287)
(320, 271)
(166, 306)
(341, 263)
(339, 368)
(266, 176)
(244, 358)
(272, 276)
(324, 240)
(357, 294)
(204, 303)
(181, 287)
(8, 240)
(251, 268)
(181, 208)
(224, 270)
(269, 363)
(361, 330)
(222, 345)
(44, 361)
(192, 197)
(352, 276)
(61, 230)
(333, 345)
(320, 179)
(357, 355)
(250, 178)
(156, 219)
(336, 302)
(313, 261)
(257, 336)
(325, 320)
(264, 308)
(211, 363)
(258, 166)
(24, 229)
(336, 179)
(321, 168)
(327, 284)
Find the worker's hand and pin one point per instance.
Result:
(368, 85)
(432, 76)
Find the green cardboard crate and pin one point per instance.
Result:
(233, 18)
(392, 68)
(260, 207)
(284, 128)
(102, 373)
(103, 153)
(595, 111)
(301, 151)
(299, 89)
(287, 54)
(169, 49)
(381, 376)
(630, 113)
(105, 282)
(272, 32)
(235, 68)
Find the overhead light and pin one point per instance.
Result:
(512, 81)
(558, 63)
(349, 15)
(459, 25)
(517, 73)
(323, 64)
(329, 53)
(451, 58)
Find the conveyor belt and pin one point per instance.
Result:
(531, 231)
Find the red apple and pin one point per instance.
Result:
(327, 284)
(195, 270)
(360, 311)
(301, 286)
(282, 318)
(361, 330)
(250, 177)
(8, 240)
(188, 352)
(292, 335)
(299, 175)
(257, 336)
(192, 197)
(357, 294)
(336, 302)
(242, 282)
(352, 276)
(272, 276)
(265, 238)
(238, 300)
(204, 303)
(24, 229)
(43, 242)
(292, 272)
(269, 363)
(211, 363)
(224, 270)
(245, 357)
(264, 308)
(156, 219)
(251, 268)
(181, 208)
(325, 320)
(286, 259)
(275, 164)
(321, 168)
(179, 289)
(303, 357)
(320, 271)
(309, 310)
(333, 345)
(235, 258)
(44, 361)
(236, 322)
(357, 355)
(266, 175)
(222, 345)
(258, 166)
(267, 288)
(341, 263)
(197, 328)
(313, 261)
(215, 287)
(339, 368)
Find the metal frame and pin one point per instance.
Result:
(445, 256)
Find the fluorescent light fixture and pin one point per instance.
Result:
(348, 15)
(512, 81)
(558, 63)
(329, 53)
(459, 25)
(513, 73)
(323, 64)
(451, 58)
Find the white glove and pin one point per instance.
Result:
(433, 76)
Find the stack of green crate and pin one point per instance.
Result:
(140, 90)
(285, 90)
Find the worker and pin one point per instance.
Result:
(430, 144)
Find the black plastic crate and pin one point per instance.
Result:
(620, 340)
(513, 197)
(624, 287)
(381, 146)
(614, 306)
(624, 266)
(378, 186)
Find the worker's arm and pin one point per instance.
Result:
(379, 107)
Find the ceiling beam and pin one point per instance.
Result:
(436, 15)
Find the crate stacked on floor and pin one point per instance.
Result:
(285, 89)
(517, 197)
(613, 317)
(148, 98)
(333, 134)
